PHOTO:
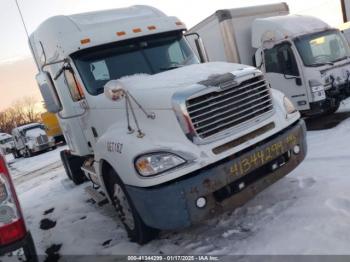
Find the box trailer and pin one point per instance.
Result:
(301, 56)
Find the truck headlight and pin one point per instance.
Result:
(288, 105)
(156, 163)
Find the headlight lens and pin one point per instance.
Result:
(288, 105)
(156, 163)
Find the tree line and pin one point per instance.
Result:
(22, 111)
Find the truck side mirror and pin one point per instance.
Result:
(202, 52)
(48, 92)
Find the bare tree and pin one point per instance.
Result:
(22, 111)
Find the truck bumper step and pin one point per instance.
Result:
(96, 196)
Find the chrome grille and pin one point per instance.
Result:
(42, 139)
(220, 110)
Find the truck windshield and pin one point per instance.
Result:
(148, 55)
(38, 128)
(322, 48)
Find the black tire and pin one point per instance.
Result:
(72, 165)
(28, 153)
(140, 232)
(16, 154)
(29, 250)
(332, 109)
(64, 162)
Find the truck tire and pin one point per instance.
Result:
(137, 230)
(64, 162)
(16, 153)
(332, 109)
(28, 152)
(72, 165)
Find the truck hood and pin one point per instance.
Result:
(156, 91)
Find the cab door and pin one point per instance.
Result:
(281, 70)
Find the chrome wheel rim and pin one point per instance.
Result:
(122, 205)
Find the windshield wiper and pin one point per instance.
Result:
(170, 67)
(321, 64)
(339, 59)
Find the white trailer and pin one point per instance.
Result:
(301, 56)
(168, 140)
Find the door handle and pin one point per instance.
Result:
(298, 81)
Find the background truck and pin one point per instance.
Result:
(301, 56)
(30, 139)
(52, 127)
(6, 143)
(168, 140)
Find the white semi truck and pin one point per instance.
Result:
(301, 56)
(30, 139)
(6, 143)
(168, 140)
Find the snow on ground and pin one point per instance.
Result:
(307, 212)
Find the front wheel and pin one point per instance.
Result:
(333, 109)
(28, 152)
(135, 227)
(72, 165)
(16, 153)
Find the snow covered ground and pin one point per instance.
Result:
(307, 212)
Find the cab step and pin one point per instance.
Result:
(98, 197)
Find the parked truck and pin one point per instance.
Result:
(301, 56)
(168, 140)
(30, 139)
(6, 143)
(52, 127)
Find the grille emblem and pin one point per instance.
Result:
(224, 86)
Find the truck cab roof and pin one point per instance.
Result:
(278, 28)
(20, 128)
(4, 136)
(62, 35)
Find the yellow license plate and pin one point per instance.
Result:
(263, 156)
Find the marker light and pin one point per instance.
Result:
(151, 27)
(85, 41)
(121, 33)
(137, 30)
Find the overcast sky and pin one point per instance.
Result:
(13, 45)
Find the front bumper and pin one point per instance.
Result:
(225, 185)
(43, 147)
(28, 246)
(334, 96)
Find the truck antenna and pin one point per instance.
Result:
(25, 29)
